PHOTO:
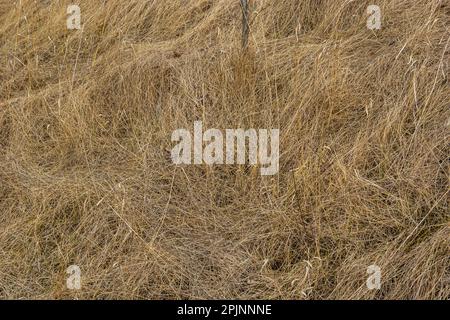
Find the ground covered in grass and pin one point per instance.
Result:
(86, 176)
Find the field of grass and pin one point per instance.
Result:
(87, 179)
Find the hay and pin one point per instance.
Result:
(86, 177)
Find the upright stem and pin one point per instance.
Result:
(245, 23)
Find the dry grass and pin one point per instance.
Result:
(86, 176)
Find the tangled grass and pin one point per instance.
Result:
(86, 178)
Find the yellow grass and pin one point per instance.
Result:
(86, 177)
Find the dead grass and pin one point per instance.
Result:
(86, 176)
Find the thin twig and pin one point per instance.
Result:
(245, 23)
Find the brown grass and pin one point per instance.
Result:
(86, 177)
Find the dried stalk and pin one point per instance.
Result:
(245, 23)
